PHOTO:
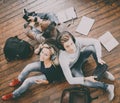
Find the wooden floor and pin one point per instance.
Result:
(107, 18)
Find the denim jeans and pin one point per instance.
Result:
(49, 16)
(77, 67)
(32, 67)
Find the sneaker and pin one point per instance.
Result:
(24, 11)
(15, 82)
(109, 76)
(110, 90)
(7, 96)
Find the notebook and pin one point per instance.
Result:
(66, 15)
(85, 25)
(108, 41)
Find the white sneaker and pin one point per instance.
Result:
(109, 76)
(110, 90)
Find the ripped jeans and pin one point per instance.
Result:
(26, 83)
(77, 68)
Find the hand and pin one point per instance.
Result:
(101, 61)
(45, 24)
(37, 51)
(91, 78)
(31, 18)
(41, 81)
(32, 23)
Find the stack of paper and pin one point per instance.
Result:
(85, 25)
(108, 41)
(66, 15)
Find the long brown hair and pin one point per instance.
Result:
(64, 37)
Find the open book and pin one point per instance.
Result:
(85, 25)
(66, 15)
(108, 41)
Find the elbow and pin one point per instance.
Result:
(70, 82)
(96, 41)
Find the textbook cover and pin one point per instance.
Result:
(85, 25)
(66, 15)
(108, 41)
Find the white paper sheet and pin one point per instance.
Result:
(85, 25)
(66, 15)
(108, 41)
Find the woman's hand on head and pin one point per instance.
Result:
(36, 51)
(42, 81)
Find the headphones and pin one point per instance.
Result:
(60, 45)
(52, 49)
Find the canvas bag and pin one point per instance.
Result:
(16, 48)
(76, 95)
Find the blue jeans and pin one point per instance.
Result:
(32, 67)
(77, 68)
(49, 16)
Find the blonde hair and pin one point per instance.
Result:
(54, 53)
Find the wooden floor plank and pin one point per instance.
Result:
(106, 17)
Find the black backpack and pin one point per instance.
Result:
(76, 95)
(16, 48)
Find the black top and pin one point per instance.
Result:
(52, 73)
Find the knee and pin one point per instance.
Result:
(28, 66)
(25, 70)
(28, 81)
(92, 49)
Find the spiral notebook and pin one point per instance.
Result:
(108, 41)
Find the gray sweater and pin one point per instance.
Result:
(67, 60)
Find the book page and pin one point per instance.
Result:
(62, 16)
(66, 15)
(70, 12)
(85, 25)
(108, 41)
